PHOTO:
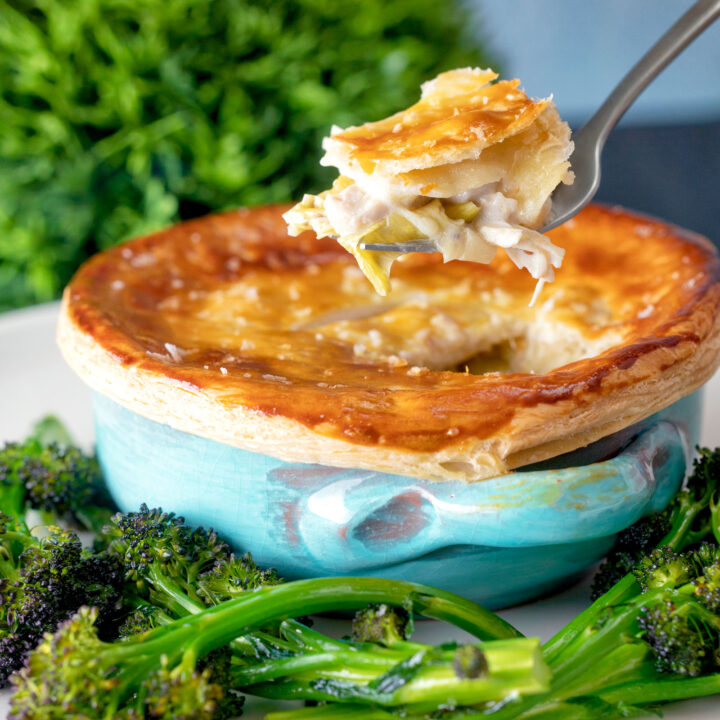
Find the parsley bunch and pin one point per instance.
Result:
(122, 116)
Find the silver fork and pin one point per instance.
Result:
(568, 200)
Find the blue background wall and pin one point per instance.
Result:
(665, 156)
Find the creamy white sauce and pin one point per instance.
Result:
(495, 226)
(352, 210)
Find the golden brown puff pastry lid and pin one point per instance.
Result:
(227, 328)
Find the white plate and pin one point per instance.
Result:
(34, 381)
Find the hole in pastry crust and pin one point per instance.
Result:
(496, 359)
(460, 329)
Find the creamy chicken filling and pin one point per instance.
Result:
(469, 226)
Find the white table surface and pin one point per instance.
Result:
(35, 381)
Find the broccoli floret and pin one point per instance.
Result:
(644, 535)
(101, 578)
(163, 556)
(707, 592)
(631, 544)
(176, 567)
(75, 674)
(182, 694)
(707, 582)
(683, 631)
(691, 517)
(613, 568)
(48, 580)
(382, 624)
(13, 651)
(218, 665)
(53, 477)
(148, 538)
(57, 479)
(681, 641)
(57, 686)
(705, 474)
(692, 512)
(44, 581)
(141, 620)
(232, 576)
(38, 581)
(664, 568)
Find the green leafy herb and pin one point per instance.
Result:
(120, 117)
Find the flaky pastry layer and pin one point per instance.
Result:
(459, 115)
(227, 328)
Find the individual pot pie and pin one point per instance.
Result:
(471, 166)
(228, 328)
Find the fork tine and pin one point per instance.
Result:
(400, 247)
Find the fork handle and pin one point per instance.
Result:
(702, 14)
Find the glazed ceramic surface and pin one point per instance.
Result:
(499, 541)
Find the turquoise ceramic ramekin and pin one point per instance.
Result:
(499, 541)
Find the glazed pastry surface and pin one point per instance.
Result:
(228, 328)
(459, 115)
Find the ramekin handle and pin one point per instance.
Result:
(347, 520)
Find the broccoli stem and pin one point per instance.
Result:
(624, 663)
(579, 709)
(715, 519)
(312, 652)
(307, 597)
(513, 666)
(333, 657)
(12, 500)
(358, 667)
(583, 664)
(589, 647)
(12, 543)
(618, 594)
(303, 637)
(50, 429)
(336, 657)
(336, 594)
(261, 645)
(681, 533)
(355, 664)
(428, 679)
(656, 691)
(172, 597)
(333, 712)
